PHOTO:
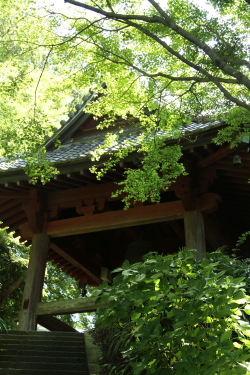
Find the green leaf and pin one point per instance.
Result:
(135, 316)
(238, 295)
(225, 336)
(191, 274)
(247, 309)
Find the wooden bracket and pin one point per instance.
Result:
(184, 191)
(209, 202)
(34, 211)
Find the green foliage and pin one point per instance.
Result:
(173, 315)
(241, 240)
(59, 286)
(164, 64)
(159, 169)
(13, 264)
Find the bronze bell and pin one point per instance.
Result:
(137, 249)
(237, 163)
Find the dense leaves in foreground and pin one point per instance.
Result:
(13, 265)
(174, 315)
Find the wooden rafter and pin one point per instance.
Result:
(218, 155)
(74, 262)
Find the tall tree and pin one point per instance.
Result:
(31, 77)
(163, 64)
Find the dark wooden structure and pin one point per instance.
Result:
(74, 222)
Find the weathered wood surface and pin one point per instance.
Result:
(73, 261)
(70, 306)
(116, 219)
(81, 193)
(13, 195)
(216, 156)
(195, 232)
(34, 282)
(120, 219)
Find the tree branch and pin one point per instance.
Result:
(214, 56)
(158, 74)
(11, 289)
(169, 22)
(199, 69)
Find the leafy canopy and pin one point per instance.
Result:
(164, 64)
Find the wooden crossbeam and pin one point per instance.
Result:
(103, 190)
(155, 213)
(218, 155)
(71, 306)
(13, 195)
(116, 219)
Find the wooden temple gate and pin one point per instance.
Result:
(74, 221)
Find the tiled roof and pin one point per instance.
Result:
(81, 149)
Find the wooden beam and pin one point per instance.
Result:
(13, 219)
(229, 167)
(116, 219)
(218, 155)
(71, 306)
(34, 282)
(14, 195)
(12, 211)
(9, 204)
(15, 226)
(120, 219)
(75, 263)
(237, 173)
(103, 190)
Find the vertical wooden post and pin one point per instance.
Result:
(34, 281)
(194, 232)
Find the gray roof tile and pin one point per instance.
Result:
(81, 149)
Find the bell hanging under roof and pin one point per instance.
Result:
(136, 250)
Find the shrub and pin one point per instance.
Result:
(176, 315)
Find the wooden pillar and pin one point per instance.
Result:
(194, 232)
(34, 282)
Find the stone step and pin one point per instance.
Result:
(41, 333)
(14, 371)
(54, 337)
(44, 348)
(44, 366)
(34, 343)
(43, 359)
(43, 351)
